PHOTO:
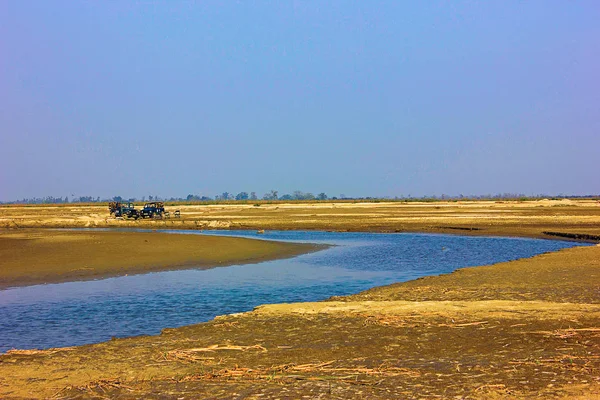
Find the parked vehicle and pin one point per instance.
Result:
(123, 210)
(154, 209)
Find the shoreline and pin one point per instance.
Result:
(520, 329)
(114, 268)
(517, 329)
(516, 232)
(40, 256)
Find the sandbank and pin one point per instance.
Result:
(36, 256)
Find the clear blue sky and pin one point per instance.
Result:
(364, 98)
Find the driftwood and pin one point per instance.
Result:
(34, 352)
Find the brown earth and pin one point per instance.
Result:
(513, 218)
(523, 329)
(34, 256)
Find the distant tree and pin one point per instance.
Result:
(321, 196)
(286, 197)
(118, 198)
(298, 195)
(242, 196)
(253, 196)
(272, 195)
(226, 196)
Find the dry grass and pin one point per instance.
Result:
(524, 329)
(527, 218)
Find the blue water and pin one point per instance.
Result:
(78, 313)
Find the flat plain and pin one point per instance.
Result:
(528, 328)
(513, 218)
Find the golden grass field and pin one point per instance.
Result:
(529, 218)
(528, 328)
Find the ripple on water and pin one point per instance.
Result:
(76, 313)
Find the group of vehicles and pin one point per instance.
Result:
(154, 209)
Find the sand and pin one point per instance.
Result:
(34, 256)
(473, 333)
(528, 328)
(505, 218)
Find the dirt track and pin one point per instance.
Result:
(524, 329)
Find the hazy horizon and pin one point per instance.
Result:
(361, 98)
(307, 196)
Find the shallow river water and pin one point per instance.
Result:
(76, 313)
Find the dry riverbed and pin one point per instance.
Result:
(524, 329)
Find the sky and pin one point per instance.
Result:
(364, 98)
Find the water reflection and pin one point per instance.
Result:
(76, 313)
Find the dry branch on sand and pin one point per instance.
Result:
(310, 372)
(566, 333)
(323, 371)
(30, 352)
(216, 347)
(411, 321)
(97, 388)
(192, 354)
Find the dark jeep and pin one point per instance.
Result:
(153, 210)
(124, 210)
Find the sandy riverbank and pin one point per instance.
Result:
(476, 333)
(34, 256)
(524, 329)
(505, 218)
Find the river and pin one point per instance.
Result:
(76, 313)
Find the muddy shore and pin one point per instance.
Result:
(528, 328)
(36, 256)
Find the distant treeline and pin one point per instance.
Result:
(297, 195)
